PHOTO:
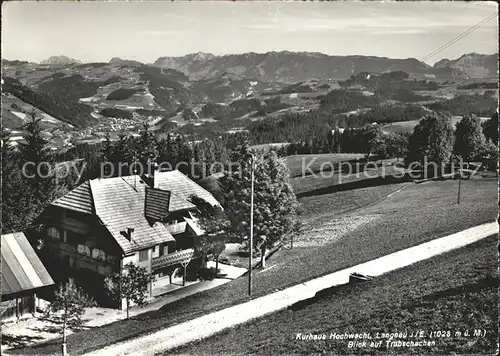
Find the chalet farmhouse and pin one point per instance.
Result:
(104, 224)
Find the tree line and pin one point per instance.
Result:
(28, 189)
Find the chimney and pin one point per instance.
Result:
(128, 233)
(149, 177)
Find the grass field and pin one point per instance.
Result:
(408, 126)
(419, 213)
(11, 104)
(351, 170)
(456, 291)
(345, 201)
(299, 163)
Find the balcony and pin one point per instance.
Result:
(172, 259)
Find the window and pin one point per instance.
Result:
(53, 233)
(99, 254)
(84, 250)
(143, 255)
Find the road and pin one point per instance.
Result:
(207, 325)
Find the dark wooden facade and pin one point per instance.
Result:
(84, 250)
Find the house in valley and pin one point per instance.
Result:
(104, 224)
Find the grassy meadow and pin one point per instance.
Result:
(408, 126)
(456, 292)
(296, 163)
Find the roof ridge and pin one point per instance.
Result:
(92, 198)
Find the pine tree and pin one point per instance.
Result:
(122, 155)
(41, 185)
(34, 149)
(106, 155)
(12, 187)
(107, 149)
(147, 148)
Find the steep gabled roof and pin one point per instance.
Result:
(22, 270)
(79, 199)
(119, 203)
(182, 187)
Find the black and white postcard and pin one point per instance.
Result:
(249, 178)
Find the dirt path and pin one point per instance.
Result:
(210, 324)
(39, 329)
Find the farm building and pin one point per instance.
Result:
(102, 225)
(23, 276)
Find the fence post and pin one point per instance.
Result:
(17, 308)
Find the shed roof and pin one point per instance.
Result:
(193, 224)
(22, 270)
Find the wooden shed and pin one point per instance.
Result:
(23, 275)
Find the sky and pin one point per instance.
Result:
(144, 31)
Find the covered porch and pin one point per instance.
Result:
(170, 271)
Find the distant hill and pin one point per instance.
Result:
(55, 99)
(226, 86)
(125, 62)
(193, 62)
(13, 63)
(288, 66)
(75, 93)
(473, 65)
(60, 60)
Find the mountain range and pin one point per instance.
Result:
(289, 67)
(297, 66)
(78, 93)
